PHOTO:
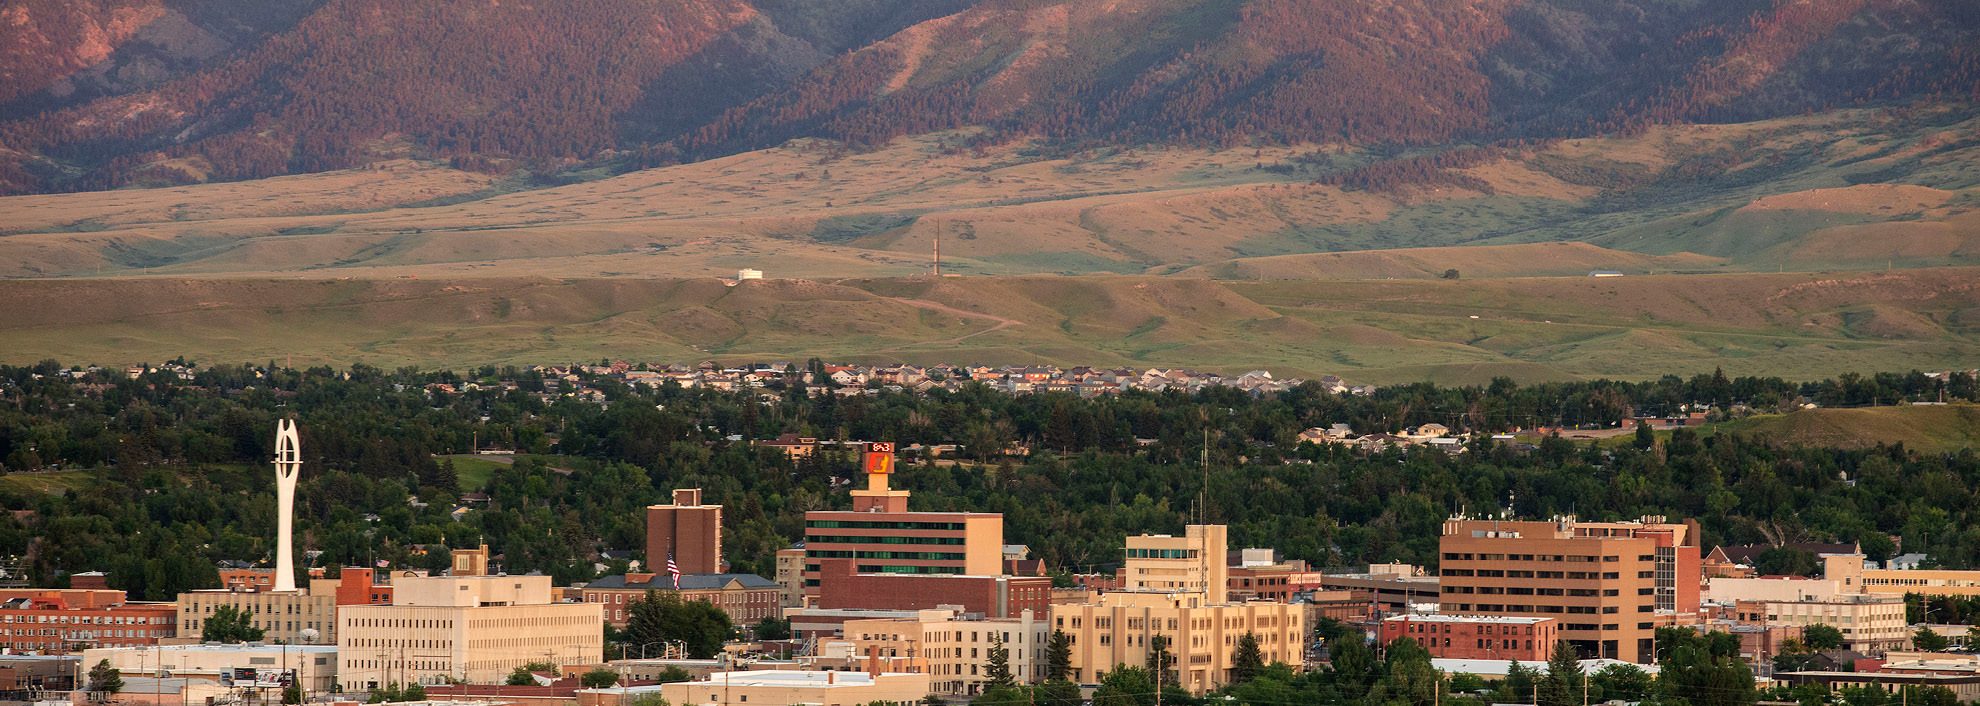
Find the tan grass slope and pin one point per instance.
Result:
(1794, 325)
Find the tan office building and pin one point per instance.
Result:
(952, 649)
(1194, 562)
(1176, 587)
(1118, 627)
(465, 628)
(1870, 623)
(688, 531)
(307, 617)
(1610, 584)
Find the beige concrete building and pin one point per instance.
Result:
(1194, 562)
(314, 666)
(1118, 627)
(1870, 623)
(790, 577)
(781, 688)
(1176, 587)
(952, 648)
(307, 617)
(465, 628)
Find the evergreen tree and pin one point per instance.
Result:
(997, 673)
(1248, 660)
(105, 679)
(1058, 656)
(1563, 683)
(1160, 663)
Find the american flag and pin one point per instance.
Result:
(674, 570)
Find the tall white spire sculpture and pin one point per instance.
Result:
(288, 464)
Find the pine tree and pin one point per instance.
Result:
(1058, 656)
(1562, 685)
(1248, 661)
(998, 672)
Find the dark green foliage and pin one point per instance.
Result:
(176, 477)
(997, 668)
(1248, 660)
(1929, 641)
(1787, 561)
(104, 678)
(1058, 656)
(1125, 686)
(773, 629)
(1703, 670)
(664, 617)
(1627, 682)
(599, 678)
(1822, 638)
(229, 624)
(1562, 685)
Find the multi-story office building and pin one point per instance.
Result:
(790, 576)
(687, 531)
(59, 621)
(1176, 588)
(1193, 563)
(1119, 628)
(952, 648)
(1610, 584)
(1476, 636)
(463, 628)
(882, 536)
(1870, 623)
(304, 617)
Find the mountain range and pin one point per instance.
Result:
(106, 93)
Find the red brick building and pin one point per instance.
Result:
(1275, 582)
(747, 598)
(840, 588)
(58, 621)
(1476, 636)
(356, 586)
(688, 531)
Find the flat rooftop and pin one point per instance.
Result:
(1488, 619)
(231, 648)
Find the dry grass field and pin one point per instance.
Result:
(1757, 247)
(1796, 325)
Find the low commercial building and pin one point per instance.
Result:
(1872, 624)
(1392, 588)
(60, 621)
(952, 648)
(1758, 644)
(1476, 636)
(747, 598)
(37, 677)
(314, 667)
(992, 596)
(464, 628)
(780, 688)
(1966, 688)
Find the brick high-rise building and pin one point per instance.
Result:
(882, 536)
(688, 531)
(1610, 584)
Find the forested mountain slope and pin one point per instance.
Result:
(644, 82)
